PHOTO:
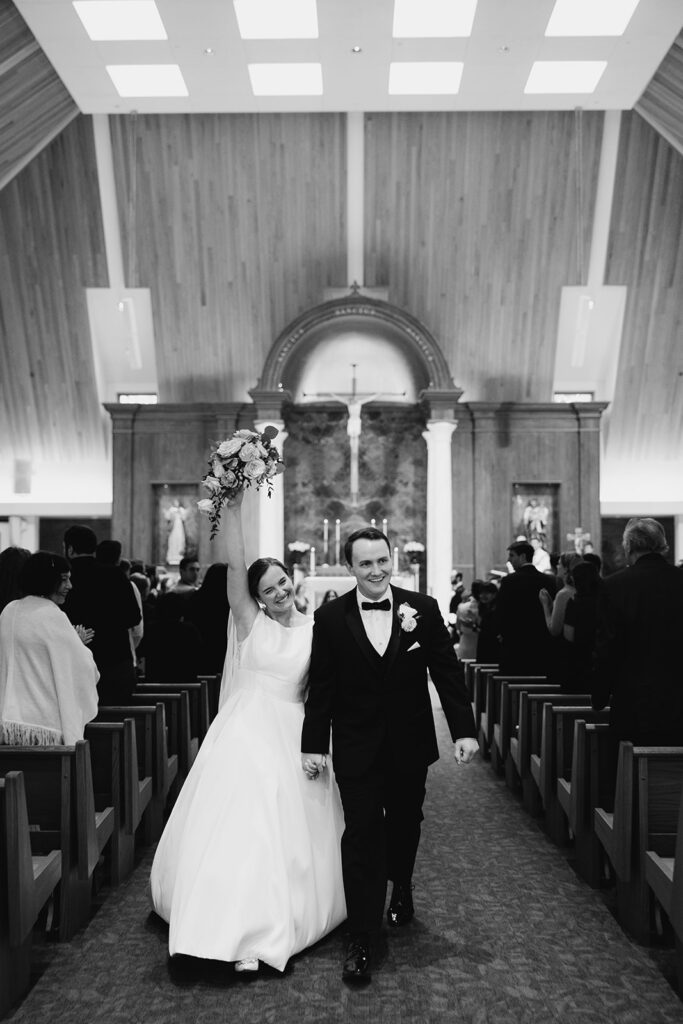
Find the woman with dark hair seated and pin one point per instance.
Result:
(48, 677)
(248, 868)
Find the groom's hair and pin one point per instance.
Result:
(256, 571)
(365, 533)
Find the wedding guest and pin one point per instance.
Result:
(301, 602)
(102, 599)
(208, 610)
(561, 670)
(580, 622)
(524, 636)
(172, 646)
(188, 581)
(329, 595)
(467, 624)
(488, 640)
(11, 561)
(48, 677)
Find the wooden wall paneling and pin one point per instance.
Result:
(51, 249)
(238, 227)
(646, 253)
(472, 221)
(465, 517)
(34, 105)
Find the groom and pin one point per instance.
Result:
(368, 680)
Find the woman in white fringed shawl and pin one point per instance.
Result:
(48, 677)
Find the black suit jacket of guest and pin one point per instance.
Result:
(381, 705)
(102, 599)
(639, 651)
(525, 639)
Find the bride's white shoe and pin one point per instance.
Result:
(250, 964)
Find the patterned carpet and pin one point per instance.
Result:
(505, 933)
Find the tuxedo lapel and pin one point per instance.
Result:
(355, 624)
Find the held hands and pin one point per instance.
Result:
(465, 749)
(313, 765)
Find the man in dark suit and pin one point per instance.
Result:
(639, 650)
(102, 599)
(524, 636)
(368, 680)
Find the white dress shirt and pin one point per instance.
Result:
(377, 625)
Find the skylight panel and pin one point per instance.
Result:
(427, 19)
(277, 19)
(590, 18)
(565, 76)
(120, 19)
(286, 79)
(424, 78)
(147, 79)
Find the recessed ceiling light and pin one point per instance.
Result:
(588, 18)
(286, 79)
(424, 78)
(564, 76)
(277, 19)
(209, 51)
(120, 19)
(421, 19)
(356, 49)
(147, 79)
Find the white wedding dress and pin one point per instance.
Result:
(249, 864)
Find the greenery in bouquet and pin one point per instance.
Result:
(247, 459)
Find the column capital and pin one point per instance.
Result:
(440, 403)
(269, 404)
(438, 430)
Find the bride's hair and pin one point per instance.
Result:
(256, 571)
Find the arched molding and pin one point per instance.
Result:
(394, 323)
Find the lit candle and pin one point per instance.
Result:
(373, 522)
(326, 542)
(385, 525)
(312, 569)
(395, 561)
(337, 541)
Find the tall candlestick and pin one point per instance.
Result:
(312, 568)
(326, 542)
(395, 561)
(385, 526)
(337, 541)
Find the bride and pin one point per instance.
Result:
(248, 868)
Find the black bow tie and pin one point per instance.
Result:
(376, 606)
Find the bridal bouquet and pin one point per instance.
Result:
(247, 459)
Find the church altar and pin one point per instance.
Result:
(315, 587)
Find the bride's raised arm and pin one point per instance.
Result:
(243, 607)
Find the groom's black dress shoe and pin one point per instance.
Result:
(401, 910)
(357, 963)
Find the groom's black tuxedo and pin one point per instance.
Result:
(383, 735)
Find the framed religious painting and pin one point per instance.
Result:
(176, 528)
(535, 514)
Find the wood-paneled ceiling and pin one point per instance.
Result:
(507, 37)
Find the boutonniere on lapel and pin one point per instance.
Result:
(407, 616)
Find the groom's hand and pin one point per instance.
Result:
(313, 764)
(465, 749)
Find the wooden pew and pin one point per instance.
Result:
(198, 695)
(213, 686)
(526, 739)
(645, 818)
(116, 781)
(179, 740)
(150, 736)
(664, 875)
(481, 673)
(591, 786)
(27, 883)
(505, 734)
(61, 810)
(557, 721)
(498, 740)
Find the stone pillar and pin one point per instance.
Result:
(439, 510)
(271, 530)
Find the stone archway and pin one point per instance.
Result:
(436, 394)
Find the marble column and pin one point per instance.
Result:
(271, 527)
(439, 539)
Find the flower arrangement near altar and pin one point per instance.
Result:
(247, 459)
(413, 547)
(297, 548)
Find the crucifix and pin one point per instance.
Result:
(579, 538)
(354, 402)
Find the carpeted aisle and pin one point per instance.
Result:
(505, 933)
